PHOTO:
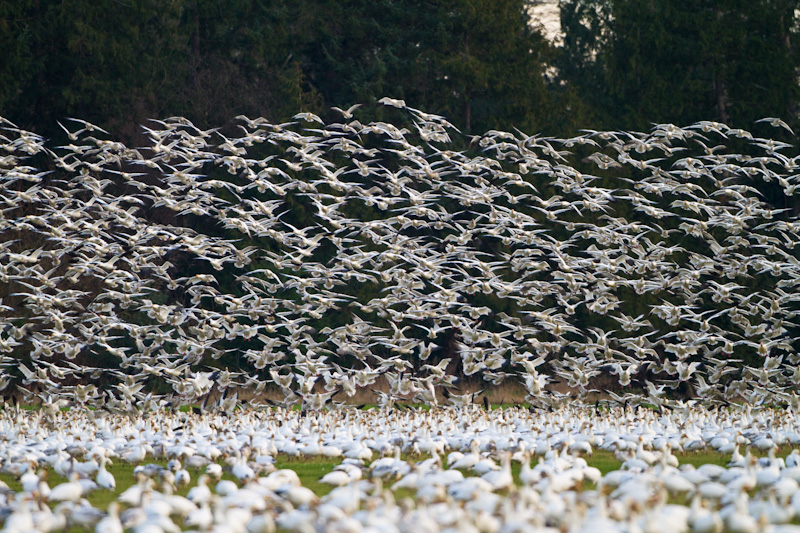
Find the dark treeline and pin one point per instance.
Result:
(622, 64)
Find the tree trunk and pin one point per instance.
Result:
(467, 112)
(196, 32)
(722, 98)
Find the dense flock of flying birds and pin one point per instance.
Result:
(310, 261)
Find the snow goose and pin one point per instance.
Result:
(241, 470)
(200, 493)
(452, 457)
(408, 481)
(20, 520)
(182, 478)
(389, 466)
(226, 487)
(359, 451)
(213, 471)
(644, 455)
(202, 517)
(104, 478)
(484, 465)
(433, 464)
(71, 491)
(297, 495)
(279, 478)
(714, 472)
(468, 460)
(296, 520)
(261, 523)
(737, 518)
(134, 495)
(676, 484)
(793, 459)
(353, 468)
(135, 454)
(336, 478)
(527, 475)
(764, 443)
(111, 522)
(502, 478)
(30, 479)
(580, 446)
(79, 514)
(469, 488)
(313, 447)
(737, 459)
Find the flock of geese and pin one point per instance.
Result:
(311, 261)
(442, 470)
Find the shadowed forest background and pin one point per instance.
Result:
(620, 64)
(324, 206)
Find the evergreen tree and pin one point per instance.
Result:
(660, 61)
(477, 61)
(488, 66)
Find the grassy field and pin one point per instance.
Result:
(311, 469)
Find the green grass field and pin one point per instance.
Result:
(311, 469)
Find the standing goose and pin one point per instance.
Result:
(71, 491)
(111, 522)
(105, 479)
(501, 479)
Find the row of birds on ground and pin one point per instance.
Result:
(456, 463)
(312, 260)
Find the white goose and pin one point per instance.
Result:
(501, 479)
(468, 460)
(104, 478)
(111, 522)
(71, 491)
